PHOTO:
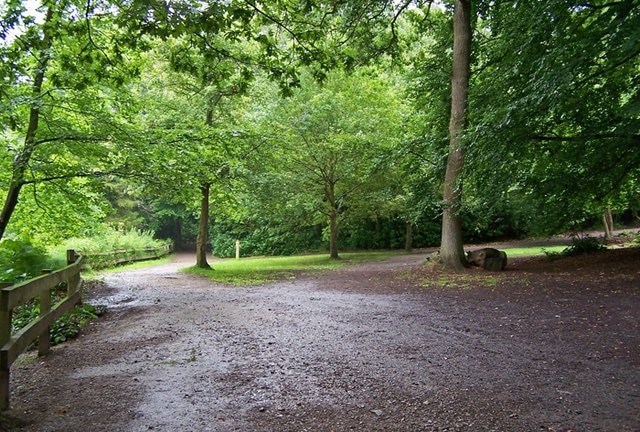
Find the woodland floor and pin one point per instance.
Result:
(391, 346)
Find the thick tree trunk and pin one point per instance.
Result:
(451, 246)
(22, 159)
(203, 229)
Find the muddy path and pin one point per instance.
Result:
(368, 348)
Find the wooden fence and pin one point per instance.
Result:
(19, 294)
(122, 256)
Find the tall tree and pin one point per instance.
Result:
(333, 146)
(60, 70)
(451, 246)
(555, 107)
(190, 116)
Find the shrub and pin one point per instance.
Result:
(111, 240)
(70, 324)
(21, 260)
(583, 245)
(66, 327)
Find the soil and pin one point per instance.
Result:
(390, 346)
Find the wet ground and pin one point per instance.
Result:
(391, 346)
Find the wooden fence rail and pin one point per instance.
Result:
(122, 256)
(19, 294)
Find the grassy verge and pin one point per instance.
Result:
(533, 251)
(255, 271)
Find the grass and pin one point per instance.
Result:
(464, 281)
(256, 271)
(533, 251)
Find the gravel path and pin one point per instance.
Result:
(367, 348)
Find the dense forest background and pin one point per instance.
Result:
(301, 125)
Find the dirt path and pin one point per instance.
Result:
(540, 347)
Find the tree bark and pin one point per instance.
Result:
(607, 219)
(408, 242)
(23, 157)
(203, 228)
(451, 246)
(333, 219)
(333, 234)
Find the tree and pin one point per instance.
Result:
(332, 147)
(64, 74)
(190, 115)
(554, 108)
(451, 246)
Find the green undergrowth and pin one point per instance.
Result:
(256, 271)
(66, 327)
(109, 240)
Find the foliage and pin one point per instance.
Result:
(264, 237)
(20, 259)
(555, 108)
(64, 107)
(123, 117)
(72, 322)
(332, 158)
(108, 241)
(66, 327)
(54, 211)
(583, 245)
(255, 271)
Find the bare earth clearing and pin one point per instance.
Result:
(391, 346)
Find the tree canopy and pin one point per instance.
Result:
(292, 114)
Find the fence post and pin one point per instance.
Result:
(5, 335)
(45, 308)
(72, 283)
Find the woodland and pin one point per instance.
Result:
(302, 125)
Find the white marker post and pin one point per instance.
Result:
(237, 249)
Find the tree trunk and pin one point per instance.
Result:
(607, 220)
(451, 246)
(203, 229)
(333, 219)
(610, 220)
(23, 157)
(333, 234)
(408, 242)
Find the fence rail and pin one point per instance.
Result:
(122, 256)
(19, 294)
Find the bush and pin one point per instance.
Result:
(583, 245)
(21, 260)
(70, 324)
(111, 240)
(66, 327)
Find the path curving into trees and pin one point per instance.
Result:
(542, 346)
